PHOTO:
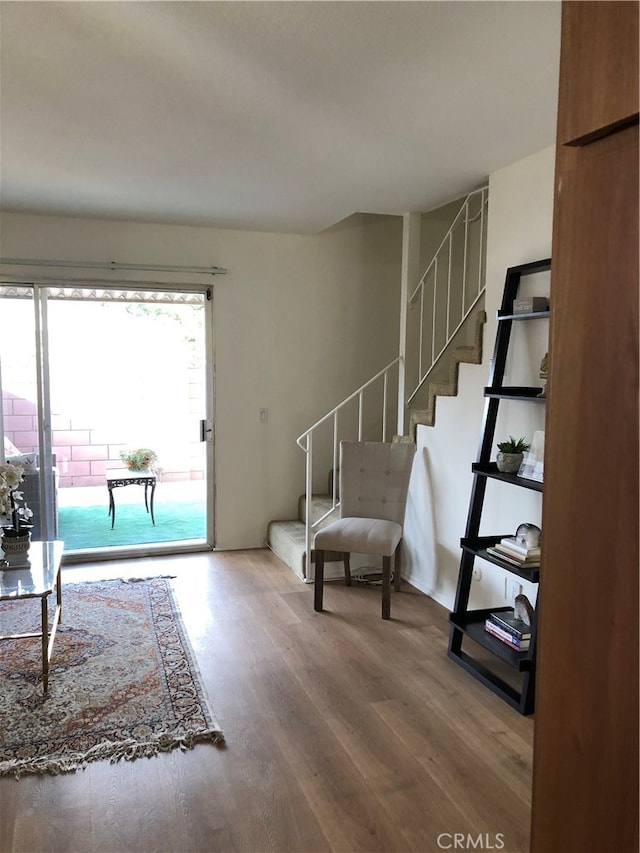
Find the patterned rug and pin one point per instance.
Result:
(123, 680)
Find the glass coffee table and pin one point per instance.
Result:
(38, 580)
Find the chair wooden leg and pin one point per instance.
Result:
(319, 581)
(347, 568)
(386, 587)
(397, 569)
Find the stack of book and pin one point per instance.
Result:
(513, 551)
(513, 632)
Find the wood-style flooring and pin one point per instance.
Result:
(343, 732)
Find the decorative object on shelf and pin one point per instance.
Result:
(530, 304)
(529, 535)
(532, 467)
(509, 459)
(141, 459)
(515, 550)
(16, 530)
(544, 371)
(523, 609)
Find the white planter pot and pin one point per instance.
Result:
(509, 463)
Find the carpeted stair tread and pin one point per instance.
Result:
(287, 541)
(287, 538)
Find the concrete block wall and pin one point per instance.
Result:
(84, 451)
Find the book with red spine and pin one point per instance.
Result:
(507, 638)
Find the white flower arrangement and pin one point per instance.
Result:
(12, 503)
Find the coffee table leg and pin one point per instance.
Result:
(45, 644)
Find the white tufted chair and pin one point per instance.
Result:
(374, 481)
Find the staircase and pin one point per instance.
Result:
(448, 387)
(447, 320)
(292, 540)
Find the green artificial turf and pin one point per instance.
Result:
(90, 526)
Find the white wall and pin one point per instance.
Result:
(300, 322)
(519, 231)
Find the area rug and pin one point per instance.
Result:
(123, 681)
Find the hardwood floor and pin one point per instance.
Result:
(343, 732)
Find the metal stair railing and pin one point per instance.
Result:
(472, 210)
(465, 218)
(305, 441)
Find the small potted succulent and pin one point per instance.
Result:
(512, 451)
(140, 459)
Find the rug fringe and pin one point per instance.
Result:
(147, 578)
(128, 750)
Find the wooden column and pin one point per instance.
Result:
(585, 779)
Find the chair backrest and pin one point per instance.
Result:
(374, 479)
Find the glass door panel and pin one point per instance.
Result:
(21, 410)
(127, 372)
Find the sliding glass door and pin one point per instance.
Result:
(121, 400)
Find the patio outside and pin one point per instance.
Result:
(83, 520)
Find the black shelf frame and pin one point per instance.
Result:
(478, 547)
(516, 392)
(472, 624)
(530, 315)
(490, 470)
(468, 624)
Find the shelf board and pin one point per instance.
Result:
(532, 315)
(478, 545)
(516, 392)
(491, 470)
(471, 624)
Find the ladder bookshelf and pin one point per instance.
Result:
(466, 624)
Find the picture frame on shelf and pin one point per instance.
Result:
(532, 467)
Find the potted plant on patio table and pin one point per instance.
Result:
(140, 459)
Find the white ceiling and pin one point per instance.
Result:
(281, 116)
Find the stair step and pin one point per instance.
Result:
(320, 504)
(469, 355)
(444, 388)
(287, 540)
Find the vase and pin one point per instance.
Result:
(16, 549)
(509, 463)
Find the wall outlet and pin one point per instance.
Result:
(477, 573)
(263, 416)
(511, 590)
